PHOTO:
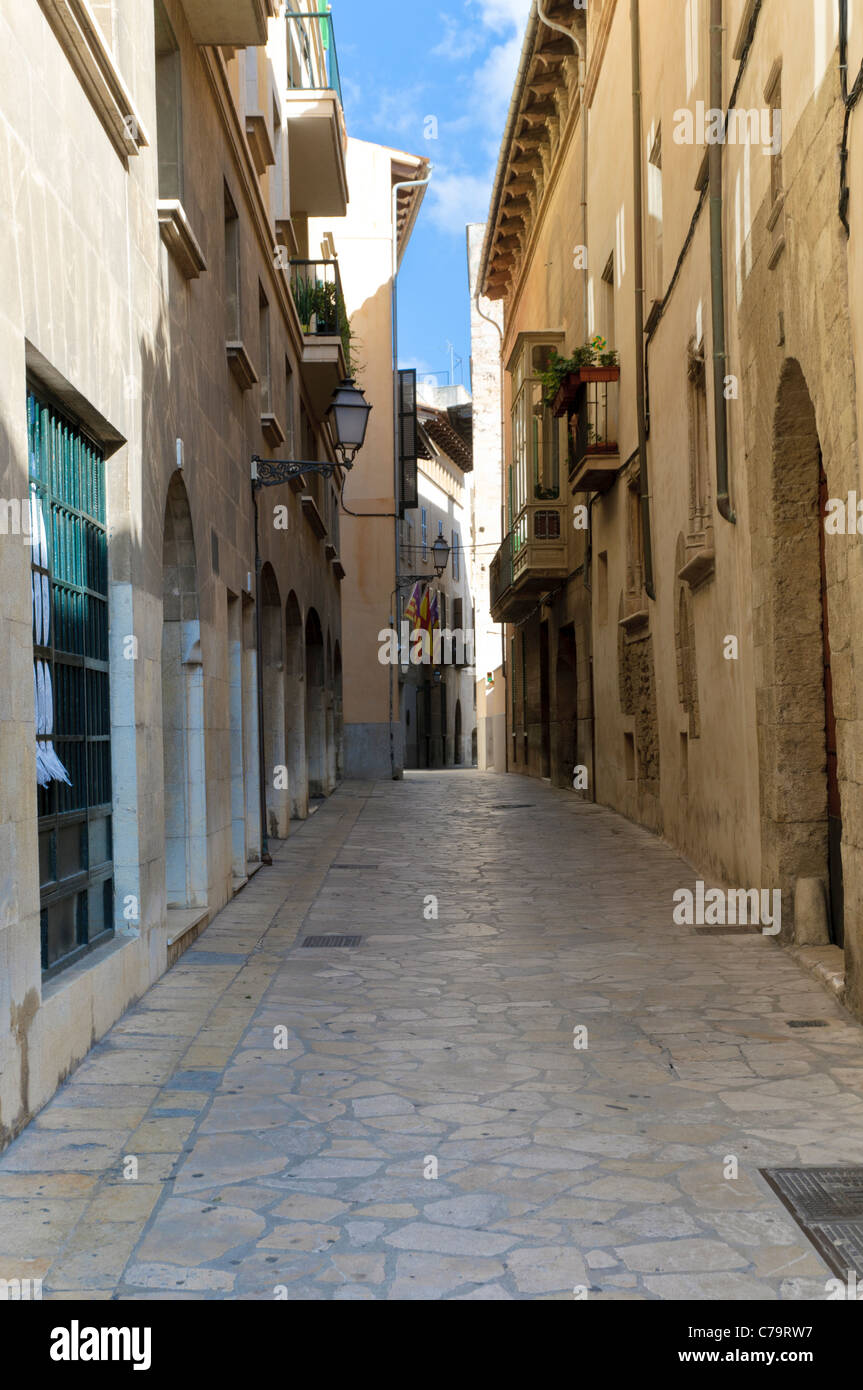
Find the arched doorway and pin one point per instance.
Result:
(315, 708)
(339, 712)
(457, 750)
(275, 760)
(330, 722)
(295, 709)
(185, 793)
(565, 741)
(801, 816)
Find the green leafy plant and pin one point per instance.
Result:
(594, 353)
(304, 298)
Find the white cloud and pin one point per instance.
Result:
(501, 15)
(494, 82)
(456, 199)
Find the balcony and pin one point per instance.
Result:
(314, 118)
(531, 560)
(230, 23)
(594, 451)
(317, 290)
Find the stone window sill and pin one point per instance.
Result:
(91, 59)
(241, 366)
(635, 622)
(700, 565)
(180, 239)
(271, 429)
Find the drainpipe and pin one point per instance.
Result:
(638, 217)
(582, 74)
(717, 272)
(266, 857)
(397, 187)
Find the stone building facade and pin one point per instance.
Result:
(711, 597)
(486, 512)
(437, 695)
(166, 318)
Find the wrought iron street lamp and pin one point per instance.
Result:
(348, 418)
(440, 552)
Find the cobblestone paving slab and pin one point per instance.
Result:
(288, 1107)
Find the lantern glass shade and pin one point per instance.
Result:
(440, 551)
(348, 414)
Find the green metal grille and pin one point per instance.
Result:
(70, 586)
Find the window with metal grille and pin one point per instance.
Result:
(69, 589)
(456, 559)
(546, 526)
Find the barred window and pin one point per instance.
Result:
(69, 571)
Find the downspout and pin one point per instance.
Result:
(717, 272)
(638, 218)
(266, 857)
(397, 187)
(582, 75)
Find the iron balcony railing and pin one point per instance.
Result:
(313, 63)
(317, 291)
(594, 427)
(500, 571)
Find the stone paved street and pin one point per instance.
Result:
(446, 1040)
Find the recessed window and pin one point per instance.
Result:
(264, 349)
(232, 269)
(629, 756)
(169, 108)
(71, 688)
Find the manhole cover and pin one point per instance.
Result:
(827, 1204)
(331, 941)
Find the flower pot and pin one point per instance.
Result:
(573, 381)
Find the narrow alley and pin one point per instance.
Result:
(423, 1115)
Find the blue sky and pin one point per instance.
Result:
(403, 61)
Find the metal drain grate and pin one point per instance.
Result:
(355, 866)
(807, 1022)
(513, 806)
(827, 1204)
(331, 941)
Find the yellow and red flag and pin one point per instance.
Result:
(424, 619)
(412, 611)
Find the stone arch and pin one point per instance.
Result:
(315, 705)
(565, 728)
(330, 720)
(794, 692)
(338, 707)
(183, 743)
(273, 733)
(295, 709)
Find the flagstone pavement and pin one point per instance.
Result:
(288, 1107)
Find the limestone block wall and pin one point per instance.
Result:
(96, 308)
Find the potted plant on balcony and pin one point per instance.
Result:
(305, 298)
(326, 307)
(564, 376)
